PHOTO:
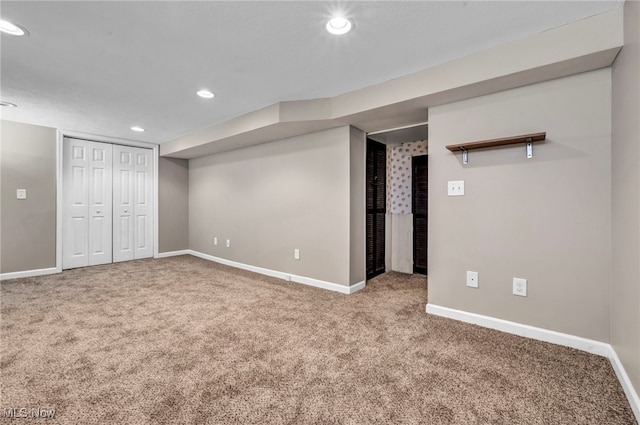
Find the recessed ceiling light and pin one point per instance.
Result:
(205, 93)
(13, 29)
(339, 25)
(8, 104)
(138, 129)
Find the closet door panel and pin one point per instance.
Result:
(108, 213)
(144, 203)
(75, 224)
(123, 202)
(100, 228)
(87, 205)
(133, 203)
(376, 162)
(420, 196)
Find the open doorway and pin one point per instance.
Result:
(406, 194)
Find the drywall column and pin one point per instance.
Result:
(28, 161)
(173, 204)
(546, 219)
(357, 205)
(625, 289)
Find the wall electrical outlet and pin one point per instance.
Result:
(296, 254)
(21, 193)
(472, 279)
(519, 287)
(455, 188)
(228, 243)
(215, 241)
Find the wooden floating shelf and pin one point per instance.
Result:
(492, 143)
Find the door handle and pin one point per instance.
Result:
(98, 212)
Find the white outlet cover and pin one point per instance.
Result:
(21, 193)
(519, 287)
(296, 254)
(215, 241)
(472, 279)
(228, 243)
(455, 188)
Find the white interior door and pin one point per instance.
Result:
(87, 203)
(133, 203)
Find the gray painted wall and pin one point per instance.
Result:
(272, 198)
(28, 227)
(28, 161)
(358, 211)
(545, 219)
(173, 204)
(625, 290)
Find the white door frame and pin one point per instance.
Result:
(61, 134)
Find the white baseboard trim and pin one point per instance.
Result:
(584, 344)
(29, 273)
(625, 382)
(358, 286)
(546, 335)
(282, 275)
(173, 253)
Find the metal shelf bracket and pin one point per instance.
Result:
(465, 155)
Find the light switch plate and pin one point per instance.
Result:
(455, 188)
(228, 243)
(296, 254)
(215, 240)
(21, 193)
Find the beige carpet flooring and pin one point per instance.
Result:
(185, 341)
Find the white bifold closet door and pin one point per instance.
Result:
(108, 203)
(132, 203)
(87, 177)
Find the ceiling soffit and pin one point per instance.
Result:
(405, 100)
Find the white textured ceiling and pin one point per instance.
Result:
(101, 67)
